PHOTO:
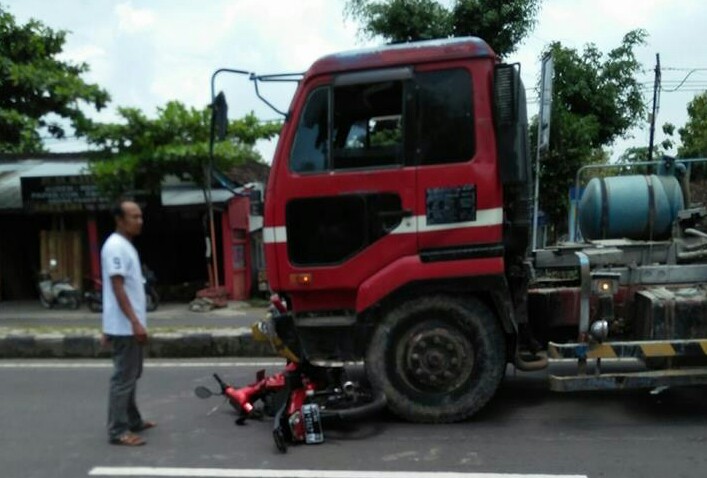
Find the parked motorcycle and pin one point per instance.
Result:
(152, 298)
(57, 292)
(94, 298)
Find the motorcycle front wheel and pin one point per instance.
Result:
(73, 302)
(95, 306)
(153, 300)
(45, 303)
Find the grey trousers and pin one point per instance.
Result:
(127, 368)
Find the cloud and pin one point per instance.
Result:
(84, 53)
(145, 53)
(132, 19)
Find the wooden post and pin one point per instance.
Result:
(94, 250)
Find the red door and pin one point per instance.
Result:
(237, 249)
(459, 196)
(344, 200)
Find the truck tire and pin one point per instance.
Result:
(437, 359)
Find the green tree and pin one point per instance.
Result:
(640, 153)
(35, 83)
(694, 134)
(596, 99)
(503, 24)
(140, 152)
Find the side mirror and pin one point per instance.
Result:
(203, 392)
(219, 116)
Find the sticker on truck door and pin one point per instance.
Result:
(451, 205)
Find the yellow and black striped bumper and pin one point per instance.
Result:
(633, 349)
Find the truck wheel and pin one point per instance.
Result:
(437, 359)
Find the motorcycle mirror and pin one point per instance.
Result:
(220, 116)
(203, 392)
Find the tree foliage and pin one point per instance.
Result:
(638, 154)
(596, 100)
(140, 152)
(694, 134)
(503, 25)
(35, 83)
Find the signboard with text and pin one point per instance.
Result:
(61, 194)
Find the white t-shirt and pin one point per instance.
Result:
(119, 258)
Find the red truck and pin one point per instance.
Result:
(397, 228)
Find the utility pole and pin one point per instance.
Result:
(656, 88)
(548, 72)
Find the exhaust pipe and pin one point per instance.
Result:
(379, 402)
(540, 363)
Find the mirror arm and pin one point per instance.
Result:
(255, 79)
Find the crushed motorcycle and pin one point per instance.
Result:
(303, 398)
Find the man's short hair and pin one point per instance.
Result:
(117, 210)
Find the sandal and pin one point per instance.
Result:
(145, 425)
(128, 439)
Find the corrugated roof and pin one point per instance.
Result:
(190, 194)
(11, 172)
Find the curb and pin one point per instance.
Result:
(219, 343)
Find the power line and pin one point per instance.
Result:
(682, 82)
(684, 69)
(691, 90)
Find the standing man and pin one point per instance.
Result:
(124, 324)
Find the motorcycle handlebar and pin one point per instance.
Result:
(221, 382)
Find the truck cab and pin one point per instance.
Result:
(387, 191)
(397, 225)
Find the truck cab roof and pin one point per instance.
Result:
(401, 54)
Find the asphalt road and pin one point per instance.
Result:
(52, 419)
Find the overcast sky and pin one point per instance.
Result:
(146, 53)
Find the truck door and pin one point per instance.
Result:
(345, 196)
(459, 196)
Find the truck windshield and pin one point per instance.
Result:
(373, 125)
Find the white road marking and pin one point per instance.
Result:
(148, 364)
(256, 473)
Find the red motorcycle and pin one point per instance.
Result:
(303, 397)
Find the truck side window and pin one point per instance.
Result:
(368, 125)
(445, 115)
(309, 151)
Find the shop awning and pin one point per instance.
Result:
(174, 194)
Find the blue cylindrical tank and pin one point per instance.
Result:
(632, 207)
